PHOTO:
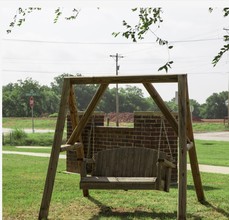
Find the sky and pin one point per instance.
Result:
(43, 50)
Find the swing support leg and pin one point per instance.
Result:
(53, 161)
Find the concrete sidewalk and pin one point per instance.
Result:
(213, 136)
(211, 169)
(203, 168)
(32, 154)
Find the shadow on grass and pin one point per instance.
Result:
(192, 187)
(106, 211)
(219, 210)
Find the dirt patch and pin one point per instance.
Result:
(123, 117)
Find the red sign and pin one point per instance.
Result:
(31, 101)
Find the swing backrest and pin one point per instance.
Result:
(127, 162)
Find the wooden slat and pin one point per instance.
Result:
(182, 175)
(127, 162)
(102, 179)
(53, 161)
(89, 111)
(193, 155)
(160, 103)
(117, 183)
(67, 147)
(125, 79)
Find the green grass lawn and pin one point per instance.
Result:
(23, 182)
(209, 127)
(31, 149)
(50, 123)
(208, 152)
(212, 152)
(22, 123)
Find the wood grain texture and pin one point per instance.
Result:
(182, 175)
(129, 168)
(54, 157)
(125, 79)
(89, 111)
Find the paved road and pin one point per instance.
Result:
(211, 169)
(31, 154)
(213, 136)
(8, 130)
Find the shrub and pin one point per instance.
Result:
(54, 115)
(18, 136)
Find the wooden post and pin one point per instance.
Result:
(91, 107)
(75, 121)
(53, 161)
(193, 155)
(182, 173)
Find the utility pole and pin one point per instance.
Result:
(117, 56)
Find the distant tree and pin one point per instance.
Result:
(215, 106)
(196, 108)
(132, 99)
(172, 105)
(15, 101)
(49, 101)
(58, 83)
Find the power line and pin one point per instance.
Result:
(108, 43)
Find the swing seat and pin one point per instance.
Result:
(128, 168)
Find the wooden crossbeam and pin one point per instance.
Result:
(89, 111)
(125, 79)
(160, 103)
(72, 108)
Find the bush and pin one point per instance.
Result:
(18, 136)
(54, 115)
(39, 139)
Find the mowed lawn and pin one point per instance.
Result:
(23, 182)
(24, 178)
(208, 152)
(50, 123)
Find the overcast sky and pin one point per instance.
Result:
(42, 50)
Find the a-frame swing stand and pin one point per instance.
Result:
(183, 128)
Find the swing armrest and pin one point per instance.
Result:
(166, 163)
(83, 171)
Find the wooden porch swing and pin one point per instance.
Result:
(131, 177)
(128, 167)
